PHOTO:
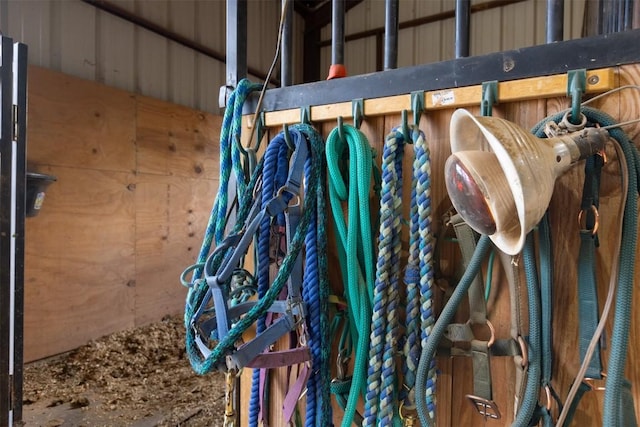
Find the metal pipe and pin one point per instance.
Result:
(555, 20)
(391, 34)
(436, 17)
(236, 41)
(463, 23)
(337, 32)
(286, 78)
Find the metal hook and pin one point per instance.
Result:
(405, 126)
(341, 134)
(287, 137)
(576, 86)
(417, 106)
(489, 97)
(357, 107)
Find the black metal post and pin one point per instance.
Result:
(286, 78)
(13, 63)
(337, 32)
(391, 34)
(555, 20)
(463, 23)
(20, 145)
(236, 47)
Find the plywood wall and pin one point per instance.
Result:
(135, 181)
(455, 380)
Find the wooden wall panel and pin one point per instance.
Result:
(171, 216)
(454, 380)
(79, 123)
(136, 178)
(79, 260)
(175, 140)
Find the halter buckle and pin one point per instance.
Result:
(595, 383)
(485, 407)
(596, 218)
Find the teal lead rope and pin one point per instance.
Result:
(617, 411)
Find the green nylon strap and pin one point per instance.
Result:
(480, 352)
(588, 301)
(354, 242)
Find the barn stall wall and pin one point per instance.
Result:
(135, 179)
(76, 38)
(527, 106)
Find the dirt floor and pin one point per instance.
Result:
(139, 377)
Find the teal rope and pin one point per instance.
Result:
(355, 245)
(429, 350)
(622, 317)
(229, 161)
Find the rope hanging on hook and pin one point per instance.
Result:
(354, 243)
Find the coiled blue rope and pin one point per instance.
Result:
(274, 176)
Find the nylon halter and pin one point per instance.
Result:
(215, 327)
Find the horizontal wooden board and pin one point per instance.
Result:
(518, 90)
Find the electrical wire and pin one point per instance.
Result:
(276, 55)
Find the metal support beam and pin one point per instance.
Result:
(337, 32)
(13, 68)
(236, 47)
(555, 20)
(286, 78)
(463, 23)
(391, 34)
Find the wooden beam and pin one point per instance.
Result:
(598, 81)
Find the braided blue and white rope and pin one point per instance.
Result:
(419, 275)
(381, 396)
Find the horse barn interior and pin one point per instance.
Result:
(356, 212)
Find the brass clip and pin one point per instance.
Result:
(229, 391)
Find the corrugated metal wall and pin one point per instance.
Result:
(75, 38)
